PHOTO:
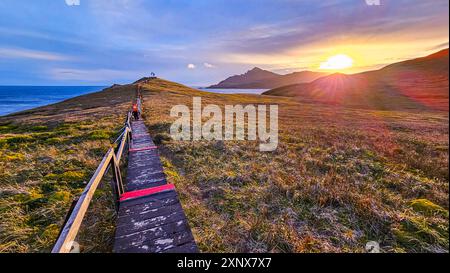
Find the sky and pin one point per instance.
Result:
(200, 42)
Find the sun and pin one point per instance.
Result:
(337, 62)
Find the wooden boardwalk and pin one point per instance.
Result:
(150, 218)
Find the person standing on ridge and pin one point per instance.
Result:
(135, 111)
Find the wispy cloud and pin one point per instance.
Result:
(353, 22)
(93, 75)
(159, 35)
(21, 53)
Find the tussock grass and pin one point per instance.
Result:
(340, 177)
(47, 155)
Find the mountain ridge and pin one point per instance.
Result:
(257, 78)
(417, 84)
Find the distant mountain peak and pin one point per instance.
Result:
(263, 73)
(256, 69)
(260, 78)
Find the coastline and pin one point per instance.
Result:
(16, 99)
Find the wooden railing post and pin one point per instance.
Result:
(117, 184)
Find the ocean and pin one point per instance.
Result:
(18, 98)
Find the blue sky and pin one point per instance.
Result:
(199, 42)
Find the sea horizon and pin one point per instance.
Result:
(32, 96)
(17, 98)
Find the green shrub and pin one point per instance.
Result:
(19, 139)
(8, 128)
(39, 128)
(54, 140)
(15, 157)
(60, 196)
(51, 231)
(419, 234)
(34, 200)
(69, 176)
(65, 132)
(99, 135)
(427, 207)
(73, 176)
(51, 177)
(48, 186)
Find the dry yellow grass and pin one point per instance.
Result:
(339, 178)
(46, 157)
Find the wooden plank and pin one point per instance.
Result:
(145, 184)
(160, 244)
(124, 241)
(144, 170)
(137, 224)
(148, 205)
(190, 247)
(70, 230)
(150, 223)
(143, 149)
(145, 159)
(151, 213)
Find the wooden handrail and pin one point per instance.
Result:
(66, 239)
(122, 143)
(71, 227)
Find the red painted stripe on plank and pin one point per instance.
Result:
(144, 149)
(146, 192)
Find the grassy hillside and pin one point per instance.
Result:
(340, 176)
(418, 84)
(46, 157)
